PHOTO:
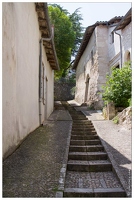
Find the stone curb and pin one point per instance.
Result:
(59, 193)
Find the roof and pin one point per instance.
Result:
(125, 21)
(45, 28)
(88, 34)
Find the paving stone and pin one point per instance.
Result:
(91, 179)
(33, 170)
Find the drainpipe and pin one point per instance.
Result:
(40, 68)
(120, 47)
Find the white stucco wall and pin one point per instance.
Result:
(49, 84)
(20, 73)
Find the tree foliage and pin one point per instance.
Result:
(118, 86)
(76, 18)
(67, 34)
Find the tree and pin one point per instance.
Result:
(67, 33)
(77, 27)
(118, 86)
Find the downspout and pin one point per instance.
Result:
(120, 47)
(40, 68)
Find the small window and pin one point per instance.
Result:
(112, 37)
(127, 56)
(43, 83)
(117, 67)
(92, 58)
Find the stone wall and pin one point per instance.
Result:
(127, 41)
(125, 118)
(94, 65)
(84, 70)
(63, 91)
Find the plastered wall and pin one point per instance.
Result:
(20, 74)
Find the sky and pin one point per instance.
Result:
(97, 11)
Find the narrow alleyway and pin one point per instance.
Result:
(54, 160)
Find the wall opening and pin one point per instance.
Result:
(127, 56)
(92, 57)
(87, 87)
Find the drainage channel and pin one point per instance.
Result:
(89, 172)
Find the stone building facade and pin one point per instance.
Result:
(105, 44)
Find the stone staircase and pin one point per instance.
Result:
(89, 171)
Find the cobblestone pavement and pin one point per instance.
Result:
(33, 170)
(117, 140)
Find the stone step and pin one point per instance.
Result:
(90, 126)
(81, 125)
(84, 132)
(86, 137)
(74, 112)
(78, 118)
(82, 122)
(84, 129)
(91, 184)
(85, 142)
(102, 192)
(89, 166)
(86, 148)
(87, 156)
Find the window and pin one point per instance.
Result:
(117, 67)
(43, 77)
(43, 84)
(112, 37)
(127, 56)
(92, 58)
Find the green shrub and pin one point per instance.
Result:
(130, 101)
(116, 120)
(118, 86)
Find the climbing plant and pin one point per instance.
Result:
(118, 87)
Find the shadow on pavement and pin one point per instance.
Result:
(122, 165)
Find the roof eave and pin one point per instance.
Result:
(45, 28)
(125, 21)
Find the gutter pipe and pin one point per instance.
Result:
(40, 68)
(120, 46)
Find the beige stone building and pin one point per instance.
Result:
(28, 63)
(105, 44)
